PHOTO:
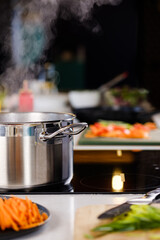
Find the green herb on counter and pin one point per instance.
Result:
(118, 123)
(140, 217)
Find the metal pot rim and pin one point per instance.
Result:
(34, 117)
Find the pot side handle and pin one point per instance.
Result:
(43, 136)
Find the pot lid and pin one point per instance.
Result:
(34, 117)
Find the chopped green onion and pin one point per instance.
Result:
(140, 217)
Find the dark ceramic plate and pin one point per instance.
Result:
(11, 234)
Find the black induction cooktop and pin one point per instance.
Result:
(140, 176)
(97, 184)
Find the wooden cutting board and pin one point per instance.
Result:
(86, 219)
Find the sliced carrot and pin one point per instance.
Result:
(19, 214)
(137, 130)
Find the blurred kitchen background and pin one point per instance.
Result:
(60, 47)
(99, 59)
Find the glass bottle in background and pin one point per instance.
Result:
(25, 98)
(2, 96)
(51, 79)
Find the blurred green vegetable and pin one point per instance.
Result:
(118, 123)
(140, 217)
(126, 96)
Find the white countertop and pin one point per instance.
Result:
(63, 208)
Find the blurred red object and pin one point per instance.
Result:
(25, 98)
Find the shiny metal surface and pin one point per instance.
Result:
(34, 117)
(72, 129)
(25, 160)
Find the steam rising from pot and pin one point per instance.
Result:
(31, 32)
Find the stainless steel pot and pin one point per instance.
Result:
(36, 148)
